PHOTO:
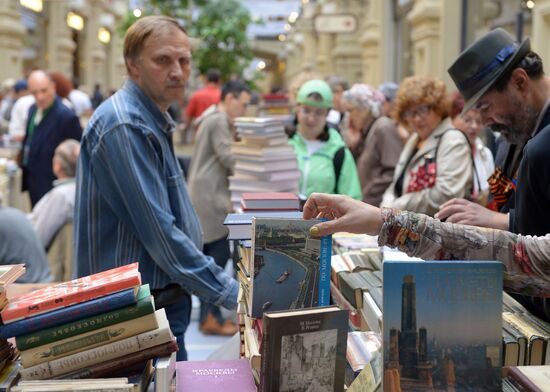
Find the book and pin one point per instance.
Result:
(214, 376)
(72, 292)
(165, 371)
(105, 368)
(304, 350)
(9, 375)
(265, 166)
(270, 200)
(88, 340)
(530, 378)
(240, 225)
(9, 274)
(92, 385)
(70, 313)
(144, 306)
(510, 349)
(442, 325)
(103, 353)
(291, 268)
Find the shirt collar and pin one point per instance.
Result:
(163, 120)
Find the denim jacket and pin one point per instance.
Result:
(132, 202)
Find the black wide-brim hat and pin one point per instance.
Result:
(479, 66)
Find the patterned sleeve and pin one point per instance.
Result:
(526, 259)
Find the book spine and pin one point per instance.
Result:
(50, 335)
(266, 358)
(87, 341)
(104, 368)
(96, 355)
(521, 380)
(59, 301)
(324, 271)
(68, 314)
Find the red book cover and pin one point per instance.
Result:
(72, 292)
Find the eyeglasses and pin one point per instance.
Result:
(307, 111)
(421, 111)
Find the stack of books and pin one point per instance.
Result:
(91, 327)
(264, 161)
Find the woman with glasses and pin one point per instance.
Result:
(325, 163)
(436, 162)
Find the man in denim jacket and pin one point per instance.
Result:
(132, 201)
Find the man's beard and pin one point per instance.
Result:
(521, 123)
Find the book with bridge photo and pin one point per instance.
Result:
(291, 268)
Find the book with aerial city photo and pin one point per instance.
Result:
(442, 325)
(291, 268)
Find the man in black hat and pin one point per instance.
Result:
(506, 83)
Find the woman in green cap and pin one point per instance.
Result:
(325, 163)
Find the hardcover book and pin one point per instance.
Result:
(70, 313)
(103, 353)
(291, 268)
(442, 325)
(214, 376)
(143, 307)
(72, 292)
(304, 350)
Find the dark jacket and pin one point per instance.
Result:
(59, 124)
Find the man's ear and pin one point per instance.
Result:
(520, 80)
(132, 66)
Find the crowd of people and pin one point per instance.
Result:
(405, 161)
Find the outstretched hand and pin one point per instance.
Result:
(344, 214)
(469, 213)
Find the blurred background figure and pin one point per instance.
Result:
(56, 208)
(63, 87)
(375, 142)
(335, 116)
(7, 99)
(211, 166)
(326, 165)
(97, 96)
(389, 90)
(81, 101)
(484, 165)
(200, 101)
(436, 163)
(20, 111)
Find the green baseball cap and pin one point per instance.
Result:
(315, 86)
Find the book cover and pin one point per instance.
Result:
(165, 370)
(530, 378)
(304, 350)
(72, 292)
(9, 274)
(291, 268)
(104, 368)
(214, 376)
(144, 306)
(442, 325)
(70, 313)
(103, 353)
(88, 340)
(270, 200)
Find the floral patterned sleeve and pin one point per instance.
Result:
(526, 259)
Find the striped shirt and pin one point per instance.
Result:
(132, 202)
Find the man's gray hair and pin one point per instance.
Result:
(66, 154)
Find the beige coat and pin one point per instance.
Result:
(454, 171)
(211, 165)
(377, 161)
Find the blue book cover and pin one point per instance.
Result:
(291, 268)
(442, 325)
(69, 313)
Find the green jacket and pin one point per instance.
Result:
(317, 170)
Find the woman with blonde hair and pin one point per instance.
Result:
(436, 162)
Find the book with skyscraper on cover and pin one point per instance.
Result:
(442, 325)
(304, 350)
(291, 268)
(72, 292)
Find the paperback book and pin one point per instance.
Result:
(291, 268)
(442, 325)
(215, 376)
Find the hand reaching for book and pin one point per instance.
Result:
(344, 214)
(466, 212)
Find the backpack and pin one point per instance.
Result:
(338, 161)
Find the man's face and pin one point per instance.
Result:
(508, 113)
(163, 66)
(43, 90)
(236, 106)
(337, 93)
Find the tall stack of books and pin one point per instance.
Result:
(264, 159)
(91, 327)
